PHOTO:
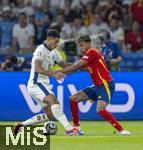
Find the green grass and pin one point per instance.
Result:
(99, 136)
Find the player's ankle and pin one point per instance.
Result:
(78, 127)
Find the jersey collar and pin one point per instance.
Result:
(47, 47)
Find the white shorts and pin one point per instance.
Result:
(39, 91)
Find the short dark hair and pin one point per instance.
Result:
(22, 14)
(53, 33)
(83, 38)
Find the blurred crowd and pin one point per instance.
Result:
(24, 23)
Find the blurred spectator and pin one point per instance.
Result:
(23, 35)
(21, 7)
(15, 63)
(137, 11)
(127, 19)
(76, 3)
(33, 3)
(6, 26)
(110, 50)
(63, 27)
(134, 38)
(111, 8)
(88, 14)
(68, 12)
(43, 19)
(78, 27)
(4, 3)
(117, 32)
(97, 25)
(55, 6)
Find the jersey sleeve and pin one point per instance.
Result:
(89, 56)
(39, 54)
(58, 57)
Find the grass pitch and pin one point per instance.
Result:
(98, 136)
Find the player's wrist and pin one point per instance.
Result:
(50, 73)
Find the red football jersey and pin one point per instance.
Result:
(97, 67)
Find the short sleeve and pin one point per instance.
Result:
(89, 56)
(39, 53)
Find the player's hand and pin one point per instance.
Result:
(59, 75)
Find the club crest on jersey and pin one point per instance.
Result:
(86, 57)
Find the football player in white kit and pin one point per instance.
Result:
(38, 86)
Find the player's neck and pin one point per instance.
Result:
(47, 46)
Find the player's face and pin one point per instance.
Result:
(53, 42)
(83, 46)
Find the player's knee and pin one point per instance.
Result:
(101, 106)
(50, 100)
(98, 109)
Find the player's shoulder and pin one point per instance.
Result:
(93, 50)
(112, 43)
(40, 48)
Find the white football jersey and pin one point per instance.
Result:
(49, 58)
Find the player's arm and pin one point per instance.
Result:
(64, 64)
(116, 60)
(41, 70)
(75, 67)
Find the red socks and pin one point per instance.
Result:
(111, 119)
(104, 113)
(75, 111)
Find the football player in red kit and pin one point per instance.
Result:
(102, 89)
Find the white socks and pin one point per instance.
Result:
(35, 119)
(60, 116)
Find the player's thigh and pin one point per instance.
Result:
(84, 94)
(105, 92)
(39, 92)
(51, 99)
(91, 92)
(79, 96)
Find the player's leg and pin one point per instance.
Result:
(85, 94)
(40, 117)
(74, 99)
(37, 94)
(34, 120)
(104, 94)
(58, 113)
